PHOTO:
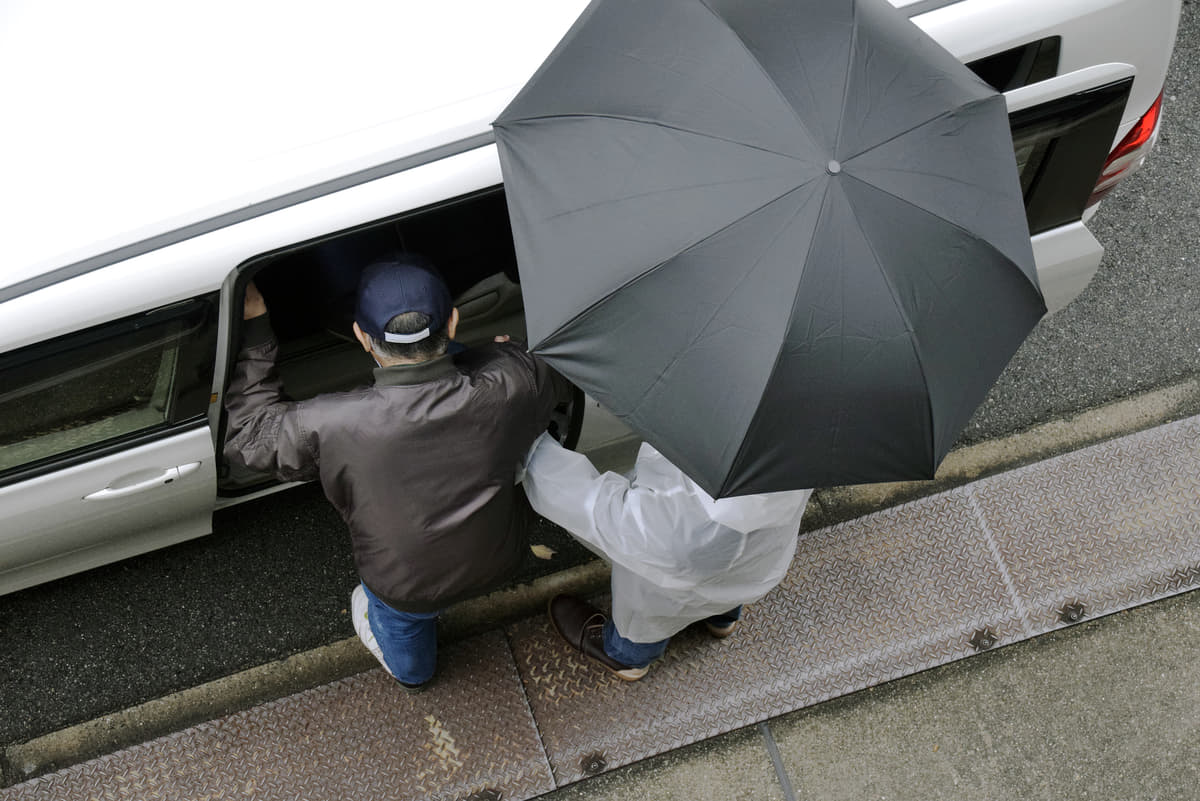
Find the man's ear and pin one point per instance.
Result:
(362, 338)
(452, 323)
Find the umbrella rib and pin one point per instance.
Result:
(654, 123)
(661, 377)
(549, 337)
(782, 340)
(923, 123)
(626, 197)
(753, 58)
(837, 139)
(911, 329)
(967, 231)
(682, 74)
(891, 82)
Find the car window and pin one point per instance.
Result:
(1060, 147)
(310, 291)
(106, 385)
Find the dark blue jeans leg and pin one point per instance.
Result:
(628, 652)
(732, 616)
(408, 640)
(640, 654)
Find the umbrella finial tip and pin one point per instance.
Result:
(833, 167)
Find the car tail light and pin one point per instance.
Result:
(1125, 159)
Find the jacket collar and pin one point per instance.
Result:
(400, 375)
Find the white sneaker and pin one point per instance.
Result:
(358, 614)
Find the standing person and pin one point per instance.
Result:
(678, 556)
(421, 465)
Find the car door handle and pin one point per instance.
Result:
(165, 477)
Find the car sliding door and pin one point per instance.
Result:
(105, 451)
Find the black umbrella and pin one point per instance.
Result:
(784, 241)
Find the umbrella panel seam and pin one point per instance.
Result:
(646, 273)
(966, 231)
(846, 96)
(754, 421)
(783, 228)
(525, 118)
(757, 63)
(652, 123)
(908, 325)
(677, 188)
(948, 112)
(837, 139)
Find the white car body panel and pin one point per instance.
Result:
(205, 263)
(334, 116)
(158, 148)
(191, 113)
(158, 494)
(1094, 32)
(1072, 255)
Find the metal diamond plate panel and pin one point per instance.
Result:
(361, 738)
(864, 602)
(1100, 529)
(899, 591)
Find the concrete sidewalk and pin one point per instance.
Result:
(1006, 559)
(1108, 710)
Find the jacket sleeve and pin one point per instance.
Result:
(551, 387)
(266, 433)
(634, 526)
(546, 386)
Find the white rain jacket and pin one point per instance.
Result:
(677, 555)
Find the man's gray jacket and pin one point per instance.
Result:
(421, 465)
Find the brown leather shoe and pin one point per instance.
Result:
(582, 626)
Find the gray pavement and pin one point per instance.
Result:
(1108, 708)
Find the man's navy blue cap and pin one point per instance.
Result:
(398, 285)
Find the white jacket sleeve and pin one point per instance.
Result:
(659, 526)
(677, 555)
(566, 489)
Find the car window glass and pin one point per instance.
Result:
(105, 384)
(1060, 148)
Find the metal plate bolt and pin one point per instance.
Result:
(1072, 612)
(983, 639)
(593, 764)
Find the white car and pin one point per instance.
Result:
(155, 158)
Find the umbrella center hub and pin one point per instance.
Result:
(833, 167)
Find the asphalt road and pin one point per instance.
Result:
(275, 577)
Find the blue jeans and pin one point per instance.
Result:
(408, 640)
(639, 654)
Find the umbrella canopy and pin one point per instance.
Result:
(783, 241)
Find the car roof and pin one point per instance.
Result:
(132, 118)
(130, 123)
